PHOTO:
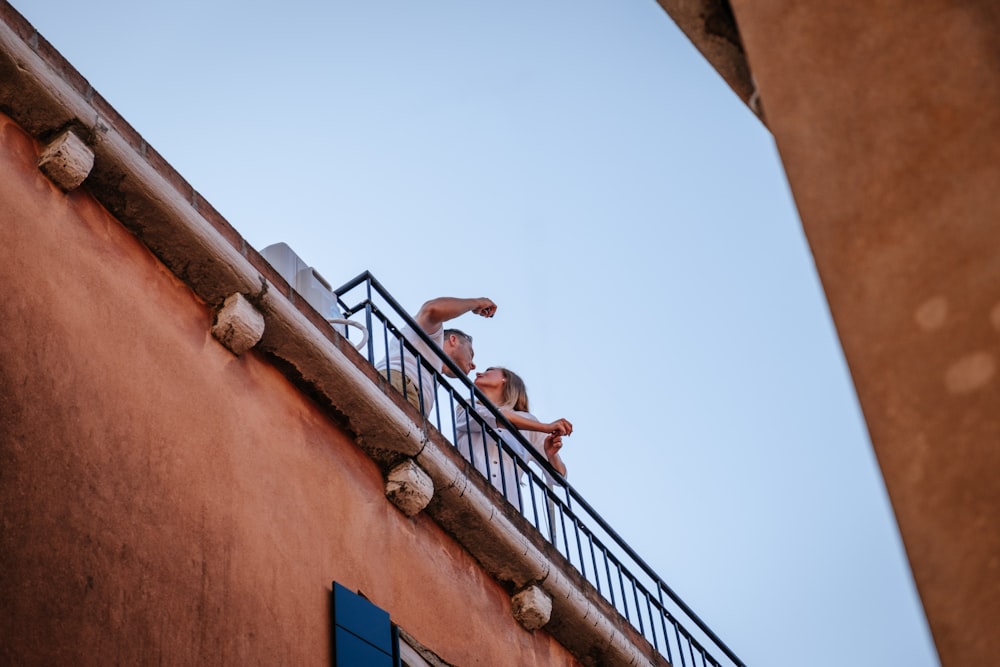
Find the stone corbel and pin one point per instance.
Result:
(238, 325)
(532, 607)
(67, 161)
(409, 487)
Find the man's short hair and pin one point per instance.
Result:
(459, 333)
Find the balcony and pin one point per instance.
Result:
(544, 504)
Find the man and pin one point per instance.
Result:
(409, 375)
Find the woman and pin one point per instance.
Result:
(506, 391)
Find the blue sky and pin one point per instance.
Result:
(581, 164)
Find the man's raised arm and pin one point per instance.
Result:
(437, 311)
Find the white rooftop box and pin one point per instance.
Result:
(310, 285)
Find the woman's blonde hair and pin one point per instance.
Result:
(515, 394)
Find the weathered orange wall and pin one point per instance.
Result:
(164, 500)
(885, 115)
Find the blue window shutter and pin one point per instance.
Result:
(362, 634)
(349, 651)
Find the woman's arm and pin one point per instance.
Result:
(526, 423)
(553, 444)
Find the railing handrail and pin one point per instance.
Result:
(504, 423)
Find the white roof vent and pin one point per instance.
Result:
(310, 285)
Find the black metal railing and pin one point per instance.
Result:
(526, 479)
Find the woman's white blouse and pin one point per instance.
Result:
(485, 454)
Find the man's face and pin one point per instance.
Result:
(460, 351)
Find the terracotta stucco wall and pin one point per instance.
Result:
(885, 117)
(164, 500)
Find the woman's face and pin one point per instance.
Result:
(491, 378)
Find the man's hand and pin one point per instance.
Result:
(485, 307)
